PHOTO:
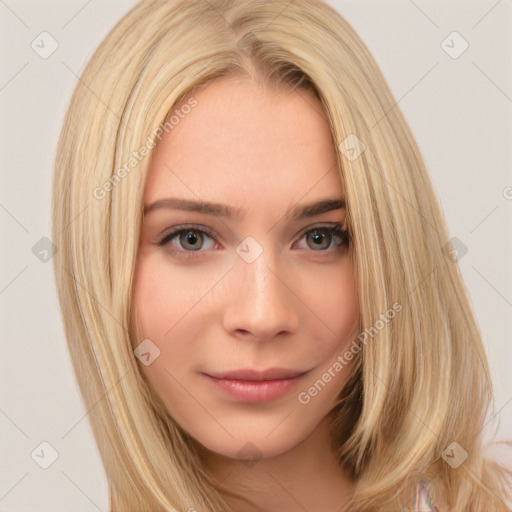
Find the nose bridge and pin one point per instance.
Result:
(260, 302)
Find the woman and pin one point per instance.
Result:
(253, 273)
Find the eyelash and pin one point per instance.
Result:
(331, 231)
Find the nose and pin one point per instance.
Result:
(261, 303)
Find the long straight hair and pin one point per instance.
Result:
(423, 385)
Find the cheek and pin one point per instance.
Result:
(154, 302)
(331, 295)
(336, 305)
(161, 300)
(164, 301)
(162, 297)
(344, 310)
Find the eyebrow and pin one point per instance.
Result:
(222, 210)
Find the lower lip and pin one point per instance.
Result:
(255, 391)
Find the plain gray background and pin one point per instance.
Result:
(460, 111)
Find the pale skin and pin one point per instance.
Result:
(264, 153)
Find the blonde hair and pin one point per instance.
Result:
(411, 392)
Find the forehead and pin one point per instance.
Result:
(242, 143)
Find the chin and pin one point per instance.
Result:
(250, 445)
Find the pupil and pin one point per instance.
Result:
(318, 238)
(192, 239)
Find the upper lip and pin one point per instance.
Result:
(250, 374)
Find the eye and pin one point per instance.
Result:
(188, 239)
(322, 237)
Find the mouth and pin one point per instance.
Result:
(256, 386)
(253, 375)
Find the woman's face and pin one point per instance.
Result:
(256, 282)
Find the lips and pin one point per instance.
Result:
(253, 386)
(253, 375)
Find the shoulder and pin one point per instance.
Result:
(425, 502)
